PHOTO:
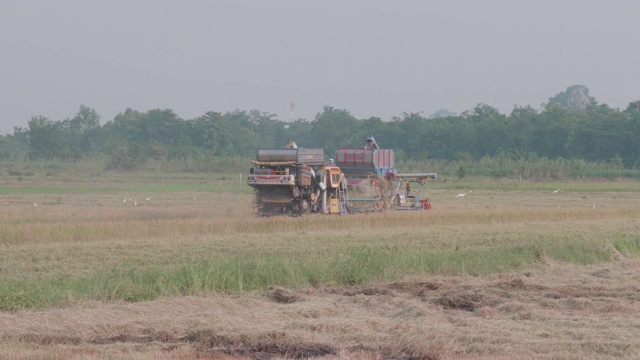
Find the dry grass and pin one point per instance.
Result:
(560, 311)
(74, 235)
(555, 311)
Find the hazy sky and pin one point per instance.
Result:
(371, 57)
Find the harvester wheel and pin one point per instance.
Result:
(305, 206)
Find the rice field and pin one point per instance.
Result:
(183, 269)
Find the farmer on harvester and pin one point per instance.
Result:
(371, 143)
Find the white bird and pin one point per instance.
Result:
(34, 204)
(147, 199)
(556, 191)
(125, 200)
(135, 202)
(461, 195)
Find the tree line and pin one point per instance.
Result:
(561, 130)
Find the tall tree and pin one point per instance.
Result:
(15, 147)
(82, 132)
(334, 128)
(46, 139)
(490, 130)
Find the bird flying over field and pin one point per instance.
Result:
(556, 191)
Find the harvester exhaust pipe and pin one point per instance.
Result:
(325, 210)
(316, 198)
(323, 186)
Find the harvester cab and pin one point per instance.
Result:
(334, 186)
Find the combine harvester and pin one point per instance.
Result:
(375, 185)
(297, 181)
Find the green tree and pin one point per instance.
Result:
(82, 132)
(415, 135)
(270, 131)
(301, 131)
(632, 131)
(490, 130)
(46, 139)
(334, 128)
(522, 122)
(14, 147)
(604, 134)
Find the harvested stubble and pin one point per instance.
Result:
(549, 280)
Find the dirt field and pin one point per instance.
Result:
(556, 310)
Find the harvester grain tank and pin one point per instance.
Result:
(369, 167)
(361, 164)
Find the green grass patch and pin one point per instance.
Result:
(538, 186)
(628, 245)
(109, 189)
(357, 266)
(580, 253)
